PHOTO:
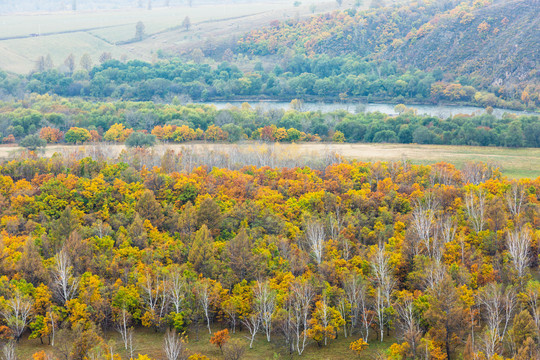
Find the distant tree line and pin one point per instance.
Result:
(60, 120)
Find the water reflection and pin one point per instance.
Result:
(441, 111)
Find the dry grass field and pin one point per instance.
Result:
(150, 342)
(514, 163)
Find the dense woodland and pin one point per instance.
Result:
(442, 261)
(320, 77)
(263, 247)
(39, 120)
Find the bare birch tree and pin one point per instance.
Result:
(16, 312)
(344, 309)
(176, 290)
(532, 293)
(8, 351)
(122, 326)
(335, 223)
(303, 294)
(518, 243)
(434, 274)
(154, 295)
(515, 198)
(385, 284)
(409, 326)
(498, 308)
(448, 228)
(475, 205)
(366, 314)
(265, 303)
(203, 297)
(53, 318)
(130, 343)
(423, 216)
(315, 237)
(231, 309)
(286, 323)
(355, 292)
(477, 172)
(64, 282)
(379, 310)
(253, 323)
(174, 346)
(382, 272)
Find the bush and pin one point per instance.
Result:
(422, 135)
(32, 142)
(138, 139)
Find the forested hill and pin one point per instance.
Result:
(499, 43)
(490, 46)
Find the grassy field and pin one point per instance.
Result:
(20, 55)
(150, 342)
(95, 32)
(514, 163)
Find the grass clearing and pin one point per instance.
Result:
(514, 163)
(150, 342)
(20, 55)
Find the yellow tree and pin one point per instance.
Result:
(117, 133)
(358, 346)
(325, 323)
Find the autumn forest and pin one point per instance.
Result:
(144, 218)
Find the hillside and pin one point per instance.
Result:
(493, 47)
(500, 44)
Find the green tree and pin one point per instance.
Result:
(186, 23)
(241, 259)
(209, 214)
(236, 133)
(138, 139)
(86, 62)
(197, 55)
(137, 232)
(33, 142)
(70, 63)
(514, 136)
(139, 31)
(67, 223)
(422, 135)
(149, 208)
(201, 254)
(523, 328)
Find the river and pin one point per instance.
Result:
(441, 111)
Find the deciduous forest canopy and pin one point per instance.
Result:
(158, 249)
